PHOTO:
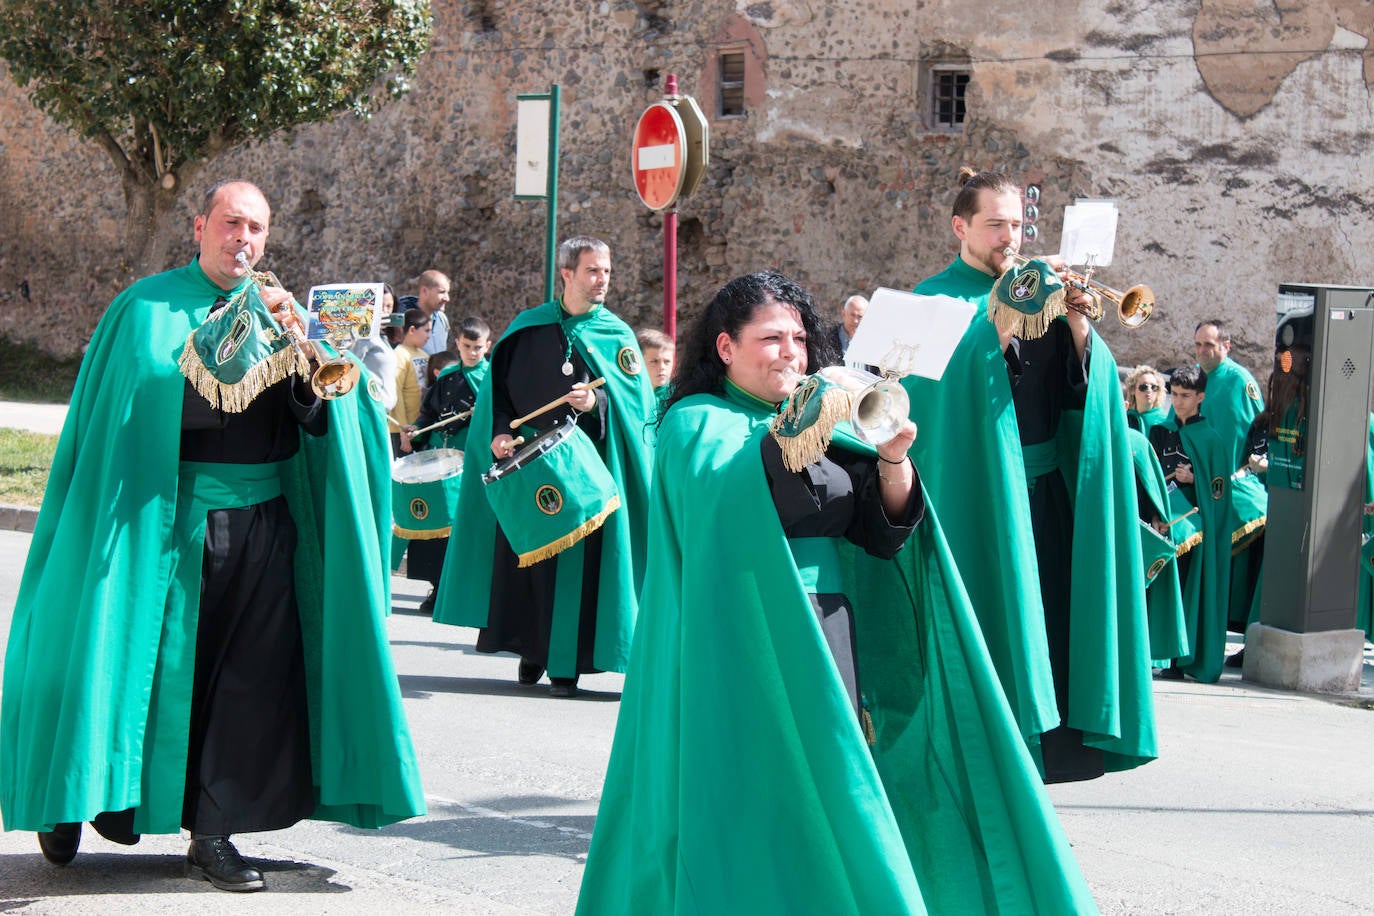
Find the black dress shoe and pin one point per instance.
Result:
(215, 859)
(116, 826)
(427, 606)
(1171, 674)
(59, 844)
(1235, 661)
(563, 687)
(530, 672)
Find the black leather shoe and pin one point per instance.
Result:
(1235, 661)
(427, 606)
(563, 687)
(1171, 674)
(215, 859)
(116, 826)
(530, 672)
(59, 844)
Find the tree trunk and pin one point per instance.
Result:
(152, 228)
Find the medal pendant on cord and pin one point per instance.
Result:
(567, 367)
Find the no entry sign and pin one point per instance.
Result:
(658, 156)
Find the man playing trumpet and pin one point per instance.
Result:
(1057, 583)
(169, 649)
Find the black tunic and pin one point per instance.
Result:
(248, 763)
(447, 397)
(526, 374)
(1047, 378)
(838, 497)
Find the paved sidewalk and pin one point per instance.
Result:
(38, 418)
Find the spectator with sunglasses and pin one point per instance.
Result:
(1146, 406)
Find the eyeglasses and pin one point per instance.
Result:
(1146, 386)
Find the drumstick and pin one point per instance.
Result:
(394, 422)
(453, 419)
(516, 424)
(1183, 516)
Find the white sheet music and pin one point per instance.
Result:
(910, 334)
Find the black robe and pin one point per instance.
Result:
(1047, 378)
(248, 763)
(838, 497)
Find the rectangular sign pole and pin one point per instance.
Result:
(551, 239)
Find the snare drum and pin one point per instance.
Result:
(424, 493)
(1185, 530)
(551, 493)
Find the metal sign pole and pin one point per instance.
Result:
(551, 229)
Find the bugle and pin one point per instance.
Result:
(332, 378)
(1133, 307)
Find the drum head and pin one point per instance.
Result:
(539, 445)
(433, 464)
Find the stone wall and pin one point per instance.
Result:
(1233, 171)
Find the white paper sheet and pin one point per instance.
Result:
(910, 334)
(1089, 237)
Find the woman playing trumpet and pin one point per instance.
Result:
(805, 668)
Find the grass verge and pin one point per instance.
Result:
(25, 459)
(31, 375)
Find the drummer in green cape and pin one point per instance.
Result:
(1195, 458)
(1163, 593)
(452, 394)
(574, 612)
(185, 652)
(807, 671)
(1045, 531)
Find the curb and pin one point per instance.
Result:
(17, 518)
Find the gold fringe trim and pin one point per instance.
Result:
(420, 534)
(1242, 536)
(866, 721)
(808, 445)
(1193, 540)
(531, 557)
(1027, 327)
(235, 398)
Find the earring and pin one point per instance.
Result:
(727, 360)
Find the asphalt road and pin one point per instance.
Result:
(1261, 802)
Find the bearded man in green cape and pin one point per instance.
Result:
(199, 637)
(1039, 505)
(571, 613)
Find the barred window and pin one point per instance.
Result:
(730, 82)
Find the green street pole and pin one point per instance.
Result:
(551, 239)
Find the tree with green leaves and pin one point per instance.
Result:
(163, 86)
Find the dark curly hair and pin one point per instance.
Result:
(699, 368)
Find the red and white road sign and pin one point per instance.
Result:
(658, 156)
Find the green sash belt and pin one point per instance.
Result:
(206, 485)
(1040, 458)
(818, 562)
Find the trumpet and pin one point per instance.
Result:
(332, 378)
(878, 403)
(1133, 307)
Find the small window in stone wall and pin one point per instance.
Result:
(945, 87)
(730, 80)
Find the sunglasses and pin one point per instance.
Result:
(1146, 386)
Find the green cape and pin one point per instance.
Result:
(1207, 592)
(1150, 418)
(464, 593)
(1232, 403)
(739, 778)
(1163, 595)
(99, 613)
(969, 449)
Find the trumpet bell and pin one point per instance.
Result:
(1136, 306)
(878, 405)
(334, 378)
